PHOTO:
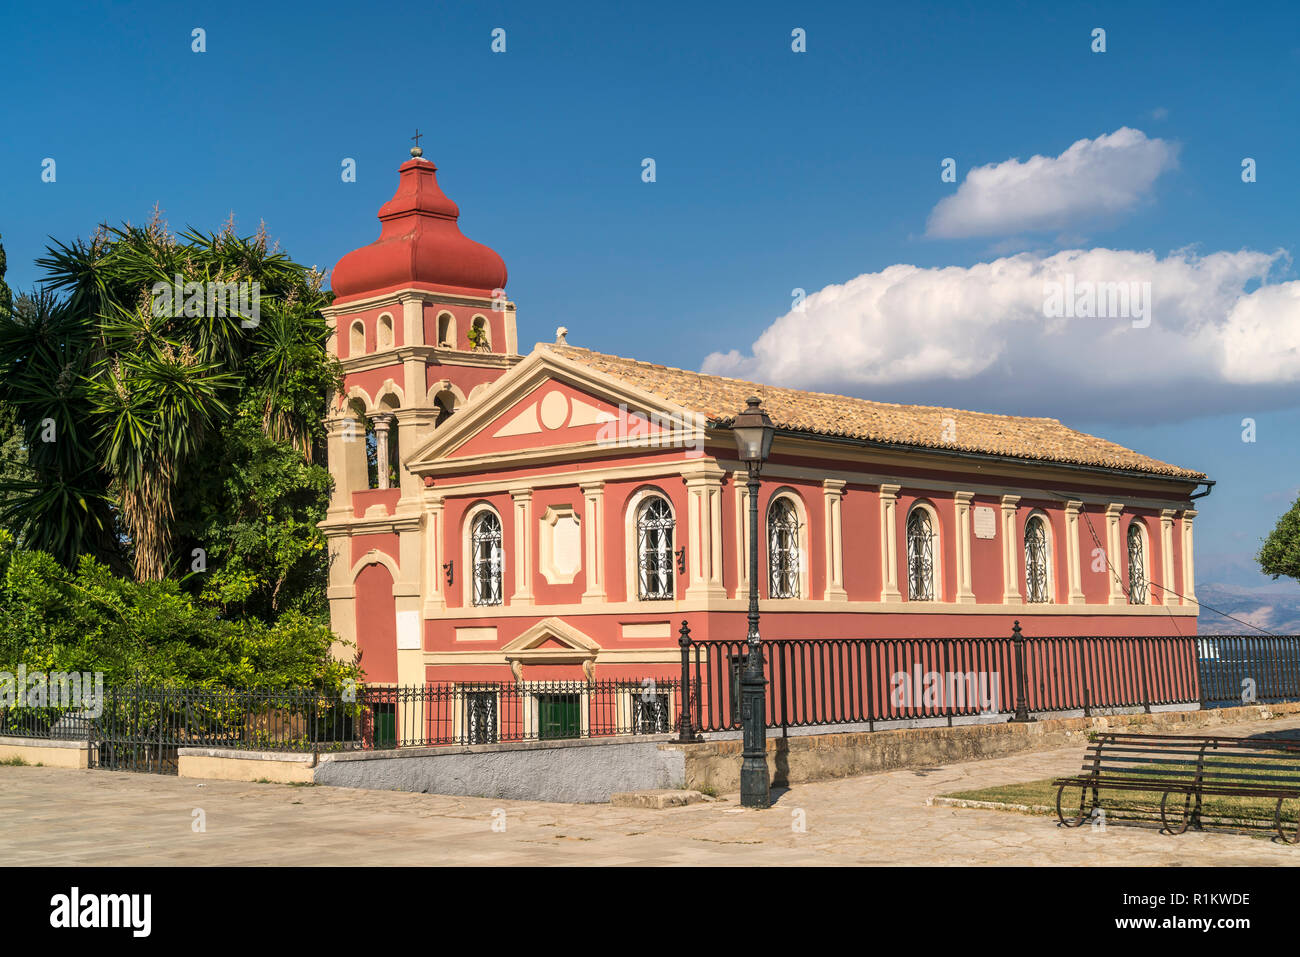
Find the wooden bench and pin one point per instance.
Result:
(1190, 768)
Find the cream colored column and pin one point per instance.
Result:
(523, 558)
(1010, 562)
(1114, 553)
(414, 428)
(413, 335)
(593, 516)
(962, 503)
(704, 547)
(341, 594)
(1073, 570)
(739, 480)
(408, 595)
(381, 424)
(435, 597)
(1167, 555)
(347, 461)
(1189, 567)
(715, 538)
(832, 494)
(889, 542)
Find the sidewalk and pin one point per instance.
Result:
(57, 817)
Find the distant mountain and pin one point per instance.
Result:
(1274, 607)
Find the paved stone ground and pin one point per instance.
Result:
(56, 817)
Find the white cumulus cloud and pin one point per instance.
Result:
(1091, 180)
(1214, 334)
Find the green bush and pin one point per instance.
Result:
(89, 619)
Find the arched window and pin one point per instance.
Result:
(384, 332)
(479, 336)
(485, 554)
(445, 403)
(1137, 576)
(783, 549)
(372, 454)
(920, 556)
(357, 340)
(446, 331)
(1036, 560)
(654, 543)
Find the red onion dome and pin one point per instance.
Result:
(420, 245)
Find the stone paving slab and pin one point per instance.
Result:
(50, 816)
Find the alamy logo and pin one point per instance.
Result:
(1086, 299)
(951, 689)
(59, 689)
(208, 299)
(72, 910)
(655, 430)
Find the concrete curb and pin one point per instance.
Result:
(989, 805)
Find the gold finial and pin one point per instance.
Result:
(415, 150)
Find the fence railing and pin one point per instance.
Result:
(810, 682)
(140, 728)
(836, 681)
(1239, 669)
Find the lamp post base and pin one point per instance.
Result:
(755, 783)
(755, 789)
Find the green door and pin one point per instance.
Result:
(558, 716)
(385, 725)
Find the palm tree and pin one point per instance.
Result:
(64, 507)
(135, 391)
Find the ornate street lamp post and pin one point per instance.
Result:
(753, 431)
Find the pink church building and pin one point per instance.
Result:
(503, 516)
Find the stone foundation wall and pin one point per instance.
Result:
(50, 753)
(715, 765)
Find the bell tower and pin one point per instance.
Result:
(421, 323)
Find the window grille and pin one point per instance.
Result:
(783, 549)
(1137, 578)
(485, 546)
(920, 556)
(1036, 561)
(654, 530)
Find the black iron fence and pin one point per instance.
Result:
(810, 682)
(143, 729)
(61, 723)
(1240, 669)
(837, 681)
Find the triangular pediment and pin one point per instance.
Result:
(553, 635)
(549, 402)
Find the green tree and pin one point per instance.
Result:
(87, 619)
(1280, 553)
(13, 449)
(140, 387)
(252, 517)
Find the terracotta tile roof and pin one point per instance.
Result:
(719, 398)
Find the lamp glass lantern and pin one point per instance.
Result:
(754, 431)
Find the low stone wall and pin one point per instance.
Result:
(221, 764)
(714, 766)
(52, 753)
(584, 771)
(591, 770)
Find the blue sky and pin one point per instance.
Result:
(775, 170)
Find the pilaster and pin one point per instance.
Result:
(593, 518)
(889, 542)
(1073, 559)
(962, 505)
(832, 495)
(1010, 565)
